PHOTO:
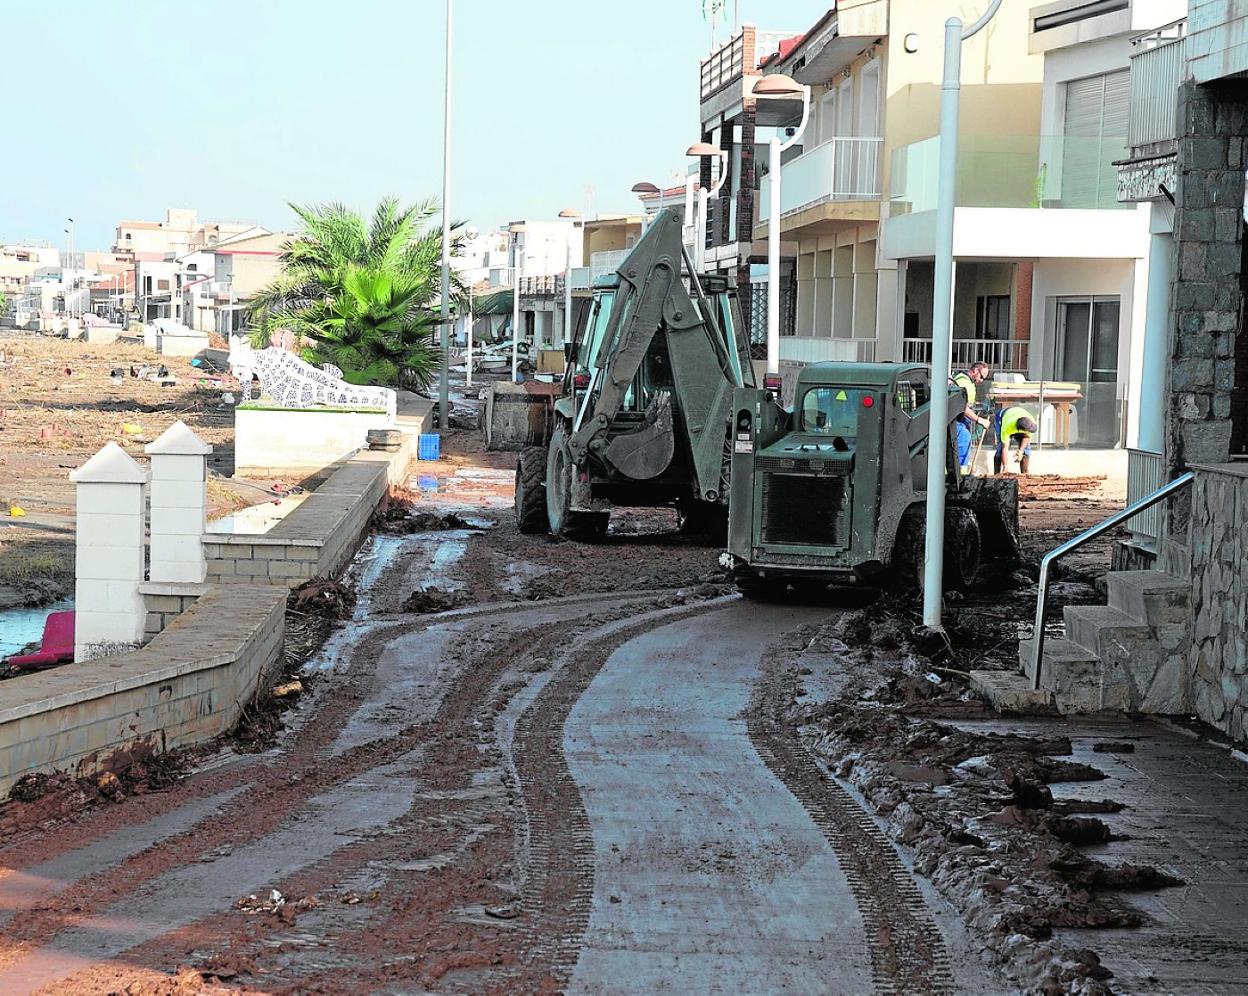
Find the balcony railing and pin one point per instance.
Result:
(1006, 355)
(602, 263)
(1157, 68)
(1012, 171)
(841, 169)
(724, 65)
(739, 55)
(1146, 472)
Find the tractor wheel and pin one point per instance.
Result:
(962, 548)
(563, 520)
(531, 491)
(753, 587)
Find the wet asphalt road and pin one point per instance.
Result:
(524, 797)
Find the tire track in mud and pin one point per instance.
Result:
(558, 893)
(908, 953)
(277, 789)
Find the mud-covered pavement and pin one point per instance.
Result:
(521, 766)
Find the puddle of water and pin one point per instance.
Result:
(255, 520)
(21, 626)
(426, 482)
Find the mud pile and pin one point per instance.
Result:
(877, 708)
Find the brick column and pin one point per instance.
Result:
(1208, 297)
(723, 214)
(108, 610)
(747, 190)
(179, 505)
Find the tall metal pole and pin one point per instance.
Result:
(942, 316)
(444, 386)
(567, 293)
(773, 258)
(515, 316)
(468, 365)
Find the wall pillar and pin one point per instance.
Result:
(1151, 404)
(1208, 226)
(746, 193)
(109, 613)
(179, 505)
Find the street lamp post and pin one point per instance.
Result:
(444, 385)
(942, 315)
(700, 149)
(777, 85)
(575, 218)
(515, 308)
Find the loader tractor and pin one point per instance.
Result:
(646, 401)
(834, 491)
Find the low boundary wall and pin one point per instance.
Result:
(189, 684)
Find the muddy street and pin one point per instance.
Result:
(520, 765)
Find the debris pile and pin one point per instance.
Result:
(434, 599)
(322, 597)
(976, 808)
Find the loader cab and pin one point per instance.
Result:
(821, 490)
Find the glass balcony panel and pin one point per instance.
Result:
(1012, 171)
(841, 169)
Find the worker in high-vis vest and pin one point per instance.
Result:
(1015, 427)
(964, 427)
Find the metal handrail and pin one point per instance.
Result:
(1042, 598)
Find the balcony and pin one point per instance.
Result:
(1008, 355)
(738, 56)
(1011, 171)
(603, 263)
(1157, 68)
(841, 169)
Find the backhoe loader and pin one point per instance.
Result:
(643, 416)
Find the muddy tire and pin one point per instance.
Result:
(531, 491)
(962, 548)
(753, 587)
(563, 521)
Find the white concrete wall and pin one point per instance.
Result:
(300, 440)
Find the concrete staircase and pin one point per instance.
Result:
(1127, 655)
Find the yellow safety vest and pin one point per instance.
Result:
(964, 381)
(1009, 423)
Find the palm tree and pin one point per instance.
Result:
(360, 295)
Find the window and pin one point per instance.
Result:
(1093, 136)
(992, 316)
(833, 411)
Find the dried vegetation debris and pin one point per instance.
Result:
(976, 808)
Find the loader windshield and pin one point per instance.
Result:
(834, 411)
(595, 329)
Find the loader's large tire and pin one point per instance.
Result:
(564, 522)
(531, 491)
(962, 548)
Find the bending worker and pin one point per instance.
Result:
(1015, 426)
(975, 374)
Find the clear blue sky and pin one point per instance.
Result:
(235, 107)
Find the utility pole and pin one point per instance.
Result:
(444, 385)
(942, 315)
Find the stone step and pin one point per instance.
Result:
(1070, 674)
(1009, 691)
(1152, 597)
(1094, 625)
(1061, 653)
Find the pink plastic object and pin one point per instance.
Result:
(57, 646)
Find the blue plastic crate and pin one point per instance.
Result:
(429, 447)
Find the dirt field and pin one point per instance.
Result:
(58, 405)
